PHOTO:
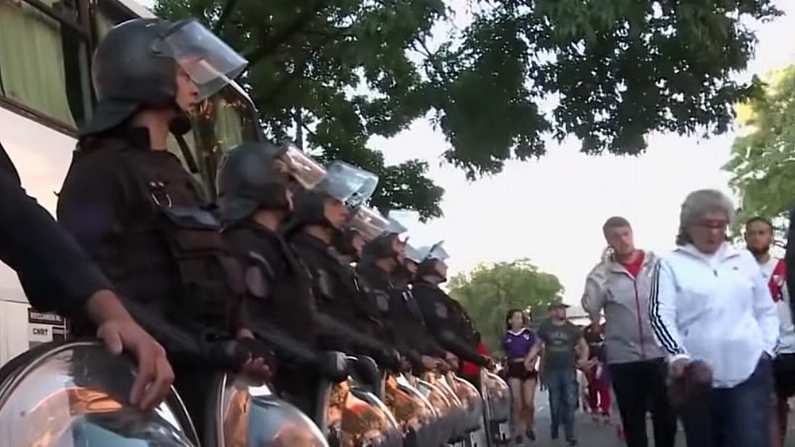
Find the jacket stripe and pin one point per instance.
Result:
(662, 333)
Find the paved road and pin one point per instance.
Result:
(597, 434)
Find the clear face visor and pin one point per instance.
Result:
(399, 221)
(303, 168)
(369, 223)
(435, 251)
(348, 184)
(438, 252)
(414, 254)
(208, 60)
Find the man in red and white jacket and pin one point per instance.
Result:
(758, 239)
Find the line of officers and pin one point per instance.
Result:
(288, 265)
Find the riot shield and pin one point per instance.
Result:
(418, 420)
(472, 403)
(497, 396)
(75, 395)
(356, 418)
(250, 414)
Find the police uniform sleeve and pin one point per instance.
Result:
(441, 325)
(90, 204)
(55, 273)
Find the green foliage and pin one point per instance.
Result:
(489, 291)
(763, 157)
(333, 73)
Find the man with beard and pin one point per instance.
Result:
(758, 239)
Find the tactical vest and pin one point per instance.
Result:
(285, 299)
(168, 206)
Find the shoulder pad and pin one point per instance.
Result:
(262, 263)
(256, 284)
(324, 283)
(441, 310)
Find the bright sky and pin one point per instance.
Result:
(552, 210)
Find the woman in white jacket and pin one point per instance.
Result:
(710, 302)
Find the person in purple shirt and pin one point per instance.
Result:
(522, 375)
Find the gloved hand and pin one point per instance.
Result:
(389, 359)
(260, 362)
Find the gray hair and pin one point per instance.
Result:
(697, 204)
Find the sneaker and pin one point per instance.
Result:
(531, 435)
(572, 441)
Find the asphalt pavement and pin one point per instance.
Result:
(597, 433)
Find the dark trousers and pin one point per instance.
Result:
(563, 391)
(640, 388)
(732, 417)
(196, 389)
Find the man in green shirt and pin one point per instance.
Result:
(564, 350)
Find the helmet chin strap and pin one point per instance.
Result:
(180, 124)
(435, 278)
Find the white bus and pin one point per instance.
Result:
(45, 94)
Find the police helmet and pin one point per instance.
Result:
(253, 176)
(135, 66)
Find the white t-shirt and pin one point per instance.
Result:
(786, 339)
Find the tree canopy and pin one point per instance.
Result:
(490, 290)
(333, 73)
(763, 156)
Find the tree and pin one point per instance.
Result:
(489, 291)
(763, 156)
(332, 74)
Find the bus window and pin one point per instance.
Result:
(44, 60)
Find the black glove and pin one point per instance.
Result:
(255, 349)
(388, 359)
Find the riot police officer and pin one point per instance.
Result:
(317, 224)
(255, 201)
(446, 318)
(57, 275)
(381, 258)
(130, 203)
(349, 244)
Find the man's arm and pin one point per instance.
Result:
(55, 272)
(535, 351)
(583, 352)
(593, 298)
(57, 275)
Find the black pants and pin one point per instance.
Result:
(640, 387)
(195, 387)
